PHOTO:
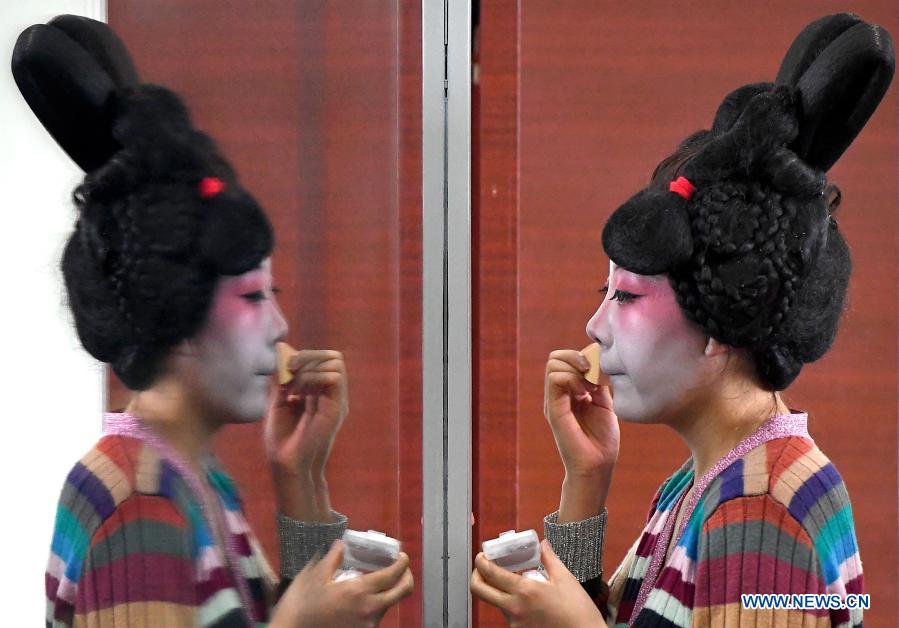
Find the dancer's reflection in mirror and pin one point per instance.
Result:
(168, 277)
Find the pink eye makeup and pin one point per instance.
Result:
(259, 295)
(622, 296)
(254, 287)
(254, 297)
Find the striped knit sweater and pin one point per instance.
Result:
(773, 516)
(132, 546)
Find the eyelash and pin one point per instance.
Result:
(259, 295)
(621, 296)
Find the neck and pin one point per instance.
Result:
(169, 411)
(716, 428)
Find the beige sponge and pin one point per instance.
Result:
(285, 353)
(594, 375)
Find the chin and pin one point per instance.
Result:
(250, 414)
(246, 418)
(632, 411)
(245, 412)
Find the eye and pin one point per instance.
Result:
(254, 297)
(604, 290)
(625, 297)
(260, 295)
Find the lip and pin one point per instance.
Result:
(271, 370)
(608, 372)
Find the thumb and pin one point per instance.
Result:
(332, 560)
(554, 567)
(602, 397)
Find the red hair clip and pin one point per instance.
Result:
(210, 187)
(682, 187)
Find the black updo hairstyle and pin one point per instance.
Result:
(755, 256)
(149, 245)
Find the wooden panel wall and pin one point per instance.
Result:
(605, 90)
(495, 208)
(319, 108)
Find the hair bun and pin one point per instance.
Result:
(148, 113)
(734, 103)
(777, 365)
(649, 233)
(766, 122)
(68, 71)
(841, 67)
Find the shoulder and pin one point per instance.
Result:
(118, 485)
(791, 472)
(116, 468)
(115, 521)
(119, 476)
(786, 497)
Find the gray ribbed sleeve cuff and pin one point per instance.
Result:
(578, 544)
(301, 541)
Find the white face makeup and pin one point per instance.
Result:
(234, 353)
(655, 356)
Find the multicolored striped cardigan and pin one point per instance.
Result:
(773, 516)
(133, 546)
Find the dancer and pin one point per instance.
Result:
(728, 273)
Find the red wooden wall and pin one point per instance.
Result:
(319, 108)
(578, 101)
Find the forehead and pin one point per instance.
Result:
(621, 274)
(261, 273)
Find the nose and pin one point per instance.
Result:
(598, 328)
(279, 323)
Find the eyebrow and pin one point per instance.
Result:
(638, 277)
(252, 278)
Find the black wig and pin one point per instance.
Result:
(161, 214)
(740, 217)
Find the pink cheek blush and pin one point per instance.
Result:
(655, 309)
(230, 310)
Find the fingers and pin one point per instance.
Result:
(307, 385)
(403, 588)
(564, 388)
(555, 568)
(574, 360)
(566, 370)
(284, 395)
(386, 578)
(330, 561)
(562, 367)
(318, 378)
(496, 576)
(316, 371)
(574, 383)
(317, 359)
(602, 397)
(493, 596)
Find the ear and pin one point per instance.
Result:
(714, 348)
(185, 348)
